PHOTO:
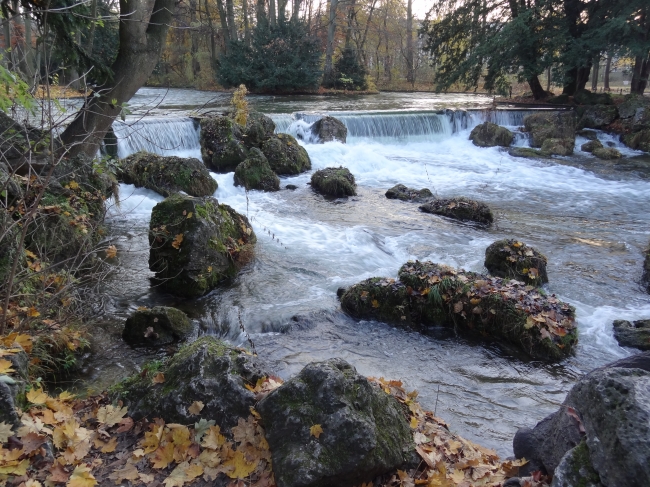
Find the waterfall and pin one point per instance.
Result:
(164, 136)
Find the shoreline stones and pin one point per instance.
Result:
(364, 430)
(160, 325)
(255, 173)
(489, 134)
(516, 260)
(483, 306)
(460, 208)
(334, 181)
(635, 334)
(329, 129)
(401, 192)
(167, 175)
(196, 242)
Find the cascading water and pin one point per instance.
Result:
(165, 136)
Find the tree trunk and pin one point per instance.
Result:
(350, 26)
(579, 77)
(410, 72)
(91, 33)
(213, 40)
(640, 74)
(329, 50)
(608, 67)
(230, 15)
(548, 78)
(362, 46)
(224, 23)
(274, 18)
(536, 88)
(247, 29)
(295, 10)
(142, 33)
(7, 35)
(260, 13)
(282, 10)
(594, 74)
(29, 50)
(194, 41)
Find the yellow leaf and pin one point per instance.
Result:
(66, 396)
(414, 422)
(30, 254)
(213, 439)
(5, 432)
(316, 430)
(242, 468)
(189, 215)
(5, 366)
(110, 446)
(458, 476)
(163, 456)
(110, 415)
(15, 468)
(159, 378)
(25, 341)
(184, 472)
(81, 477)
(33, 313)
(529, 323)
(195, 408)
(176, 243)
(36, 396)
(375, 303)
(73, 185)
(111, 252)
(129, 472)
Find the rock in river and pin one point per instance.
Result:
(462, 209)
(334, 181)
(550, 125)
(591, 146)
(255, 173)
(156, 326)
(607, 153)
(285, 155)
(221, 144)
(635, 334)
(328, 129)
(401, 192)
(516, 260)
(490, 135)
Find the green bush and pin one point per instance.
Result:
(349, 74)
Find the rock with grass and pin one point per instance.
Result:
(586, 97)
(195, 243)
(334, 181)
(489, 134)
(596, 116)
(558, 147)
(330, 426)
(18, 141)
(167, 175)
(607, 153)
(635, 334)
(401, 192)
(513, 259)
(206, 371)
(256, 173)
(153, 327)
(460, 208)
(591, 146)
(498, 309)
(550, 125)
(329, 129)
(285, 155)
(222, 148)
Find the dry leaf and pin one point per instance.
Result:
(5, 432)
(110, 415)
(316, 430)
(178, 239)
(5, 366)
(36, 396)
(81, 477)
(195, 408)
(111, 251)
(129, 472)
(159, 378)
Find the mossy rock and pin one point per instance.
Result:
(255, 173)
(285, 155)
(588, 134)
(632, 105)
(209, 371)
(586, 97)
(516, 260)
(156, 326)
(638, 140)
(596, 116)
(328, 129)
(490, 135)
(222, 148)
(18, 140)
(196, 242)
(645, 279)
(558, 147)
(401, 192)
(576, 470)
(591, 146)
(460, 208)
(474, 304)
(527, 152)
(259, 128)
(561, 99)
(550, 125)
(334, 181)
(167, 175)
(635, 334)
(607, 153)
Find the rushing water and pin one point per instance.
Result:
(589, 217)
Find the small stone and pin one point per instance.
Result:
(157, 326)
(291, 187)
(591, 146)
(401, 192)
(516, 260)
(460, 208)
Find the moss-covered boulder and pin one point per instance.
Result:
(596, 116)
(364, 430)
(558, 147)
(196, 242)
(258, 128)
(638, 140)
(607, 153)
(18, 140)
(588, 134)
(489, 134)
(401, 192)
(156, 326)
(586, 97)
(475, 305)
(528, 153)
(167, 175)
(462, 209)
(328, 129)
(222, 148)
(550, 125)
(591, 146)
(255, 173)
(513, 259)
(208, 371)
(285, 155)
(334, 181)
(576, 469)
(635, 334)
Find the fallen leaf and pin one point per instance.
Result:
(36, 396)
(81, 477)
(111, 252)
(195, 408)
(159, 378)
(5, 366)
(375, 303)
(110, 446)
(129, 472)
(5, 432)
(176, 243)
(316, 430)
(110, 415)
(242, 468)
(33, 313)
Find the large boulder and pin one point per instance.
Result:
(558, 147)
(462, 209)
(638, 140)
(258, 128)
(334, 181)
(550, 125)
(167, 175)
(19, 140)
(156, 326)
(516, 260)
(576, 469)
(635, 112)
(196, 242)
(207, 371)
(588, 134)
(256, 173)
(607, 153)
(527, 153)
(222, 148)
(330, 426)
(475, 305)
(586, 97)
(285, 155)
(328, 129)
(489, 134)
(596, 116)
(635, 334)
(591, 146)
(401, 192)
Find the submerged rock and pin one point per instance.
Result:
(328, 129)
(586, 97)
(222, 148)
(285, 155)
(591, 146)
(334, 181)
(596, 116)
(167, 175)
(527, 152)
(516, 260)
(460, 208)
(255, 173)
(550, 125)
(401, 192)
(635, 334)
(196, 242)
(474, 304)
(156, 326)
(490, 135)
(364, 430)
(607, 153)
(558, 147)
(208, 371)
